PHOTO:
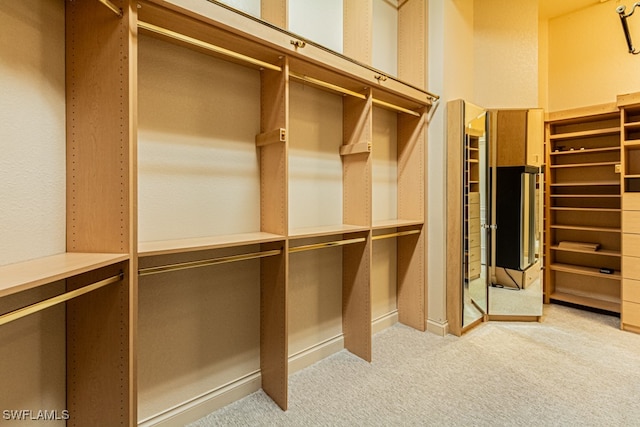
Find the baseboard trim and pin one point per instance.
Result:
(441, 329)
(206, 403)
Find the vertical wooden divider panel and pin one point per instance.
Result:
(100, 63)
(356, 258)
(357, 40)
(411, 205)
(454, 272)
(274, 113)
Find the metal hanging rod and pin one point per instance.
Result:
(344, 91)
(206, 262)
(623, 20)
(115, 9)
(326, 244)
(39, 306)
(398, 234)
(395, 107)
(326, 85)
(208, 46)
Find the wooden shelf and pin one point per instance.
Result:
(166, 247)
(616, 196)
(585, 209)
(584, 184)
(585, 228)
(582, 251)
(585, 151)
(328, 230)
(584, 165)
(632, 125)
(586, 133)
(25, 275)
(395, 223)
(587, 301)
(585, 271)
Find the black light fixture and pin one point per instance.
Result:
(623, 19)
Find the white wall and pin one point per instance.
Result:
(318, 21)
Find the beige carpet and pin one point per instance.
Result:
(574, 369)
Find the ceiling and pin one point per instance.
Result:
(553, 8)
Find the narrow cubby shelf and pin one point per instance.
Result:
(585, 183)
(577, 196)
(25, 275)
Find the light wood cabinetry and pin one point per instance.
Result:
(520, 137)
(630, 123)
(583, 208)
(134, 283)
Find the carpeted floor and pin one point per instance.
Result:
(574, 369)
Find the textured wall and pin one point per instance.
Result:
(588, 59)
(32, 130)
(506, 53)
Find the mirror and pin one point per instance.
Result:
(494, 215)
(475, 213)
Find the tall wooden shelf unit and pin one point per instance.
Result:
(106, 261)
(583, 205)
(630, 123)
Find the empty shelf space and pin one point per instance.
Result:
(604, 252)
(587, 301)
(165, 247)
(584, 165)
(25, 275)
(585, 133)
(585, 228)
(585, 271)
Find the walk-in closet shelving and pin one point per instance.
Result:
(629, 105)
(583, 207)
(179, 178)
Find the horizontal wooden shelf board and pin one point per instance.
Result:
(585, 133)
(604, 252)
(395, 223)
(166, 247)
(587, 301)
(585, 228)
(327, 230)
(585, 271)
(584, 114)
(632, 176)
(632, 125)
(585, 165)
(585, 151)
(585, 209)
(25, 275)
(596, 196)
(585, 183)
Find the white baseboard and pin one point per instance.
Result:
(438, 328)
(200, 406)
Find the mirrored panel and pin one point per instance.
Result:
(474, 213)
